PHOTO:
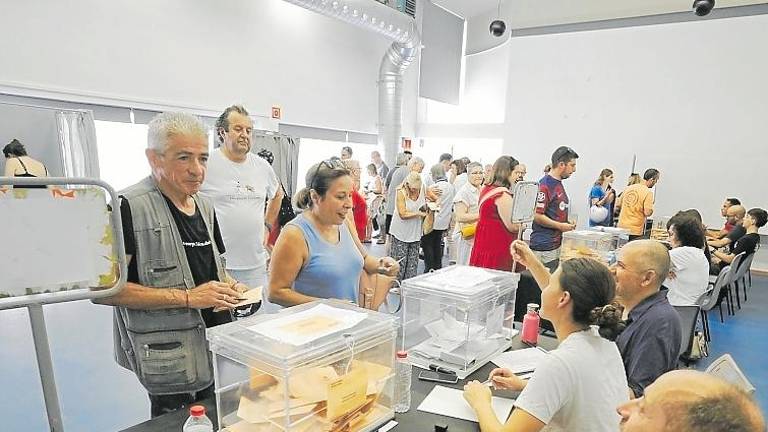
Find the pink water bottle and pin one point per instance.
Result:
(530, 333)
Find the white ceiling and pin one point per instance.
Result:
(539, 13)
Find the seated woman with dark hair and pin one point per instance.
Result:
(318, 254)
(580, 384)
(689, 276)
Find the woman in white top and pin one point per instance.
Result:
(431, 243)
(406, 229)
(689, 277)
(467, 211)
(578, 387)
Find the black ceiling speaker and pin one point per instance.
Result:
(703, 7)
(498, 27)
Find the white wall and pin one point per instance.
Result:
(689, 99)
(203, 54)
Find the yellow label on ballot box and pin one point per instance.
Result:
(347, 393)
(311, 325)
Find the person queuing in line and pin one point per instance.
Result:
(636, 204)
(633, 179)
(691, 401)
(651, 342)
(689, 277)
(176, 276)
(747, 244)
(601, 199)
(406, 229)
(346, 153)
(317, 254)
(580, 384)
(735, 216)
(359, 215)
(381, 167)
(431, 242)
(445, 160)
(488, 174)
(394, 179)
(495, 230)
(374, 197)
(728, 227)
(240, 184)
(467, 212)
(19, 164)
(457, 176)
(552, 207)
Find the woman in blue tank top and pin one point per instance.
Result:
(316, 255)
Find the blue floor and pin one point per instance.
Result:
(744, 337)
(97, 395)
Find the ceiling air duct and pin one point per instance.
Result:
(401, 30)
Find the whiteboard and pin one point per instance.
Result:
(524, 201)
(56, 240)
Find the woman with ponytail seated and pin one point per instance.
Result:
(580, 384)
(318, 255)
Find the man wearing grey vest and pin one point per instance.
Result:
(177, 285)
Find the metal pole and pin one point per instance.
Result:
(45, 367)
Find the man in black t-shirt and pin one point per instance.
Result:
(160, 292)
(748, 243)
(735, 215)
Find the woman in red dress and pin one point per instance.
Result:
(495, 231)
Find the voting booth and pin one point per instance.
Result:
(320, 366)
(458, 317)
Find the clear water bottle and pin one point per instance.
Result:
(197, 421)
(402, 382)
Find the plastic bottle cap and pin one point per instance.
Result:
(197, 410)
(402, 354)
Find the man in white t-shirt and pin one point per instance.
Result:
(241, 185)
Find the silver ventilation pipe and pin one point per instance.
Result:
(396, 26)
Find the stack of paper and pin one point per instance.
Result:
(451, 403)
(520, 362)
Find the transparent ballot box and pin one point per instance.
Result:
(458, 317)
(321, 366)
(620, 237)
(659, 229)
(588, 244)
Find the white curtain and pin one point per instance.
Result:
(77, 143)
(285, 149)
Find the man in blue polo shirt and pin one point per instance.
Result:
(650, 344)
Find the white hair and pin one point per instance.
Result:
(168, 124)
(415, 160)
(401, 159)
(437, 171)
